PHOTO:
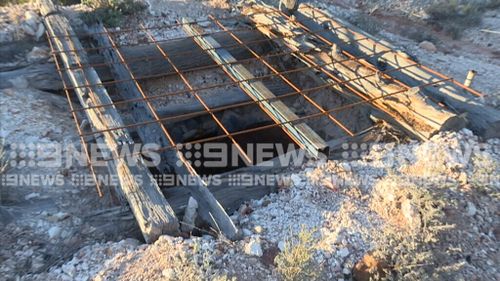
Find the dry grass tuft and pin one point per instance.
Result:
(409, 242)
(485, 171)
(296, 262)
(194, 266)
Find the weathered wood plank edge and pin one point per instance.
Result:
(300, 132)
(153, 213)
(211, 210)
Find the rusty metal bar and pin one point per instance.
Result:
(75, 118)
(275, 71)
(247, 159)
(440, 75)
(218, 109)
(306, 117)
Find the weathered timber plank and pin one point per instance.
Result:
(482, 119)
(210, 208)
(145, 61)
(410, 108)
(300, 132)
(151, 210)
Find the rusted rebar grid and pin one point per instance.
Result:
(255, 27)
(280, 75)
(275, 125)
(227, 47)
(426, 68)
(199, 91)
(306, 91)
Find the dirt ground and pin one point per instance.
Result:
(392, 205)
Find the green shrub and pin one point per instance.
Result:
(453, 16)
(110, 12)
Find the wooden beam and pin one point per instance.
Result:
(483, 120)
(300, 132)
(43, 76)
(418, 115)
(212, 211)
(151, 210)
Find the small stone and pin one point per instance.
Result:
(282, 245)
(234, 218)
(245, 209)
(471, 209)
(428, 46)
(410, 213)
(344, 252)
(54, 232)
(37, 54)
(189, 215)
(69, 269)
(346, 271)
(296, 180)
(246, 232)
(269, 255)
(253, 248)
(258, 229)
(40, 31)
(60, 216)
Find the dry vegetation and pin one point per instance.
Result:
(453, 16)
(111, 12)
(415, 216)
(296, 262)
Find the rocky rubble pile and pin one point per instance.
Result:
(20, 21)
(354, 210)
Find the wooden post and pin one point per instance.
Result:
(151, 210)
(411, 109)
(482, 119)
(211, 210)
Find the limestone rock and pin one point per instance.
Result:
(253, 248)
(428, 46)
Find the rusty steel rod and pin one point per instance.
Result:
(280, 75)
(218, 109)
(75, 118)
(306, 117)
(426, 68)
(214, 85)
